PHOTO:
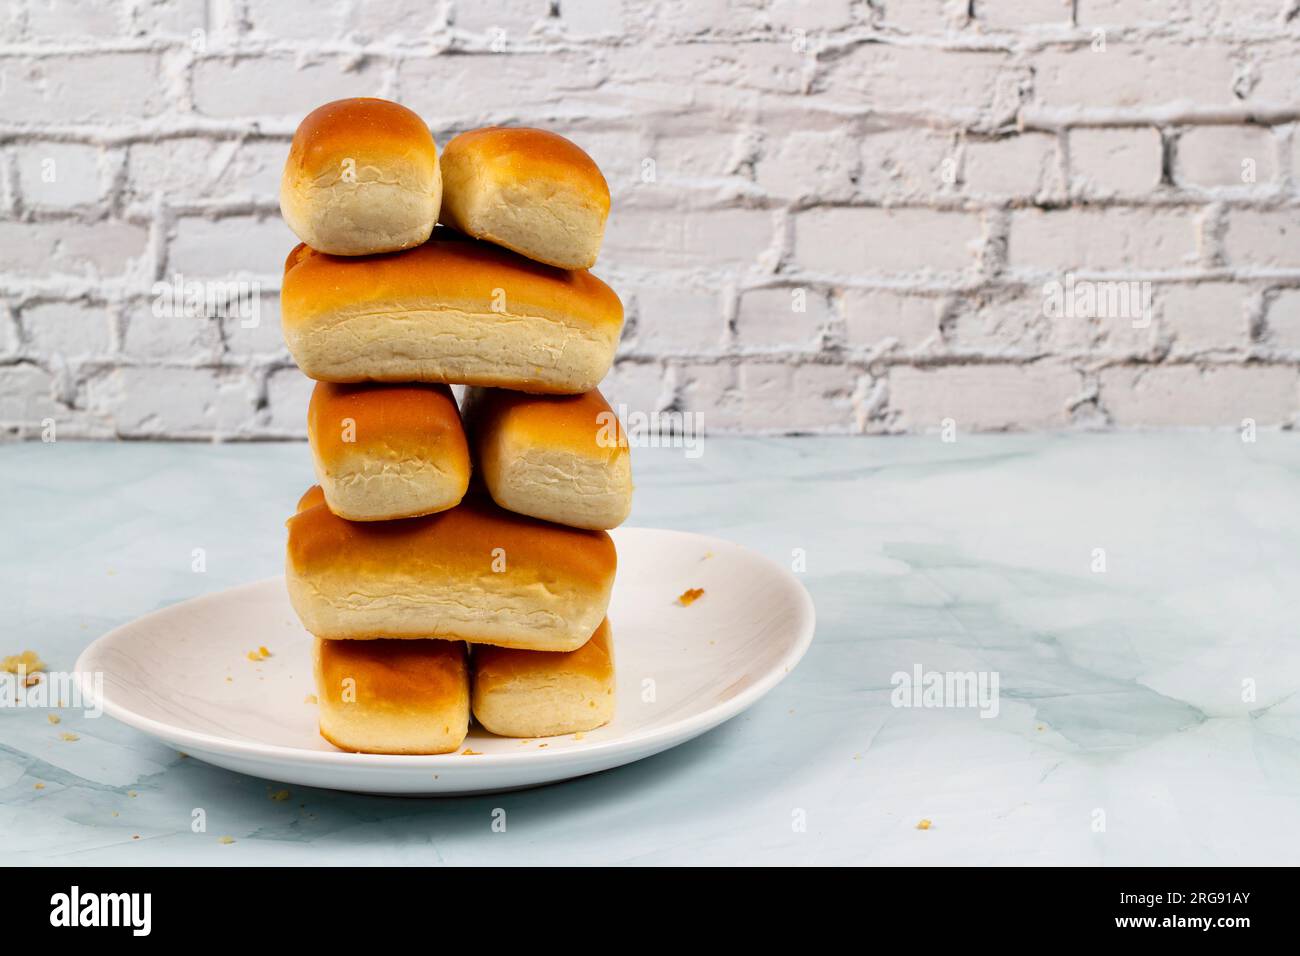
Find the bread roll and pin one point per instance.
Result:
(387, 451)
(475, 573)
(362, 177)
(539, 694)
(557, 457)
(393, 697)
(454, 311)
(528, 190)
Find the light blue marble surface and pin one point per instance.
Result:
(1121, 691)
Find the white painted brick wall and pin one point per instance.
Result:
(829, 215)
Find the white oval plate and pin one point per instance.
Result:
(183, 675)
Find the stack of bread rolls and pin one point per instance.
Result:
(452, 560)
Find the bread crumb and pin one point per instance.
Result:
(579, 735)
(39, 785)
(690, 596)
(69, 737)
(230, 680)
(54, 718)
(132, 793)
(310, 699)
(28, 662)
(925, 824)
(280, 795)
(542, 746)
(226, 840)
(468, 752)
(135, 836)
(261, 649)
(115, 813)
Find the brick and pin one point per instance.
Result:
(278, 84)
(887, 78)
(405, 21)
(983, 397)
(183, 402)
(58, 175)
(673, 318)
(55, 20)
(766, 387)
(640, 386)
(1013, 14)
(592, 18)
(170, 17)
(171, 336)
(1113, 238)
(710, 390)
(1126, 13)
(82, 88)
(874, 317)
(807, 164)
(1016, 166)
(1282, 320)
(287, 393)
(1005, 323)
(773, 67)
(193, 168)
(1204, 317)
(721, 238)
(850, 241)
(1225, 156)
(1262, 239)
(518, 18)
(808, 15)
(70, 330)
(289, 21)
(64, 247)
(1187, 395)
(218, 247)
(1115, 161)
(1146, 75)
(923, 16)
(782, 318)
(1239, 13)
(496, 87)
(27, 395)
(907, 164)
(256, 336)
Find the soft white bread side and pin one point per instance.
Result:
(475, 573)
(392, 697)
(539, 694)
(387, 451)
(362, 177)
(561, 458)
(452, 310)
(529, 190)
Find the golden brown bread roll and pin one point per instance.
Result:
(476, 573)
(387, 451)
(392, 697)
(540, 694)
(453, 310)
(526, 189)
(362, 177)
(561, 458)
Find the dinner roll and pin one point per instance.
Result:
(452, 310)
(540, 694)
(528, 190)
(387, 451)
(362, 177)
(558, 457)
(475, 572)
(392, 697)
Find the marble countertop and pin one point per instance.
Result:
(1135, 595)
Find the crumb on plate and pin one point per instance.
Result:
(690, 596)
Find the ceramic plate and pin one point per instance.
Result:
(183, 675)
